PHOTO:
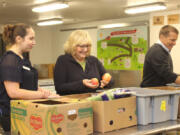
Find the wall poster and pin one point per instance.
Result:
(122, 48)
(173, 19)
(158, 20)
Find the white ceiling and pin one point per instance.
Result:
(13, 11)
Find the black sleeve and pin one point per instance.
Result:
(61, 83)
(11, 69)
(102, 71)
(160, 64)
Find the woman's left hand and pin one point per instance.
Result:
(103, 83)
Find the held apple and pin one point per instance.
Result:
(106, 77)
(94, 81)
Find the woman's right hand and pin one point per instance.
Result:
(88, 83)
(44, 93)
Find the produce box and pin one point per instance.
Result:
(51, 117)
(155, 105)
(111, 115)
(44, 70)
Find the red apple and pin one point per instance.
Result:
(106, 77)
(94, 81)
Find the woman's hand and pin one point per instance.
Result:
(88, 83)
(48, 93)
(106, 78)
(103, 83)
(44, 93)
(54, 95)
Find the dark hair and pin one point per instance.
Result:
(165, 30)
(11, 31)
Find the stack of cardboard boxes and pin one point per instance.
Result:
(71, 115)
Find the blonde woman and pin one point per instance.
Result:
(75, 69)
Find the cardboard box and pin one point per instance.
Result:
(45, 70)
(51, 117)
(111, 115)
(50, 70)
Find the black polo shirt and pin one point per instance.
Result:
(15, 69)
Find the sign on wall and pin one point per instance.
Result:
(122, 48)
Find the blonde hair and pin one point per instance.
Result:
(77, 37)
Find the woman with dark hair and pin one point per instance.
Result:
(18, 79)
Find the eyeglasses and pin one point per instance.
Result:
(84, 46)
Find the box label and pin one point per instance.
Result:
(85, 112)
(18, 111)
(163, 105)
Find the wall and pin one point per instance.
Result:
(61, 33)
(50, 40)
(154, 33)
(42, 52)
(59, 38)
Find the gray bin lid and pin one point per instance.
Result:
(147, 92)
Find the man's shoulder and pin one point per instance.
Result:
(156, 47)
(156, 51)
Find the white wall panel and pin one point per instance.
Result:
(42, 51)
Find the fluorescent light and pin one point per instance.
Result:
(50, 7)
(40, 1)
(145, 8)
(49, 22)
(112, 25)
